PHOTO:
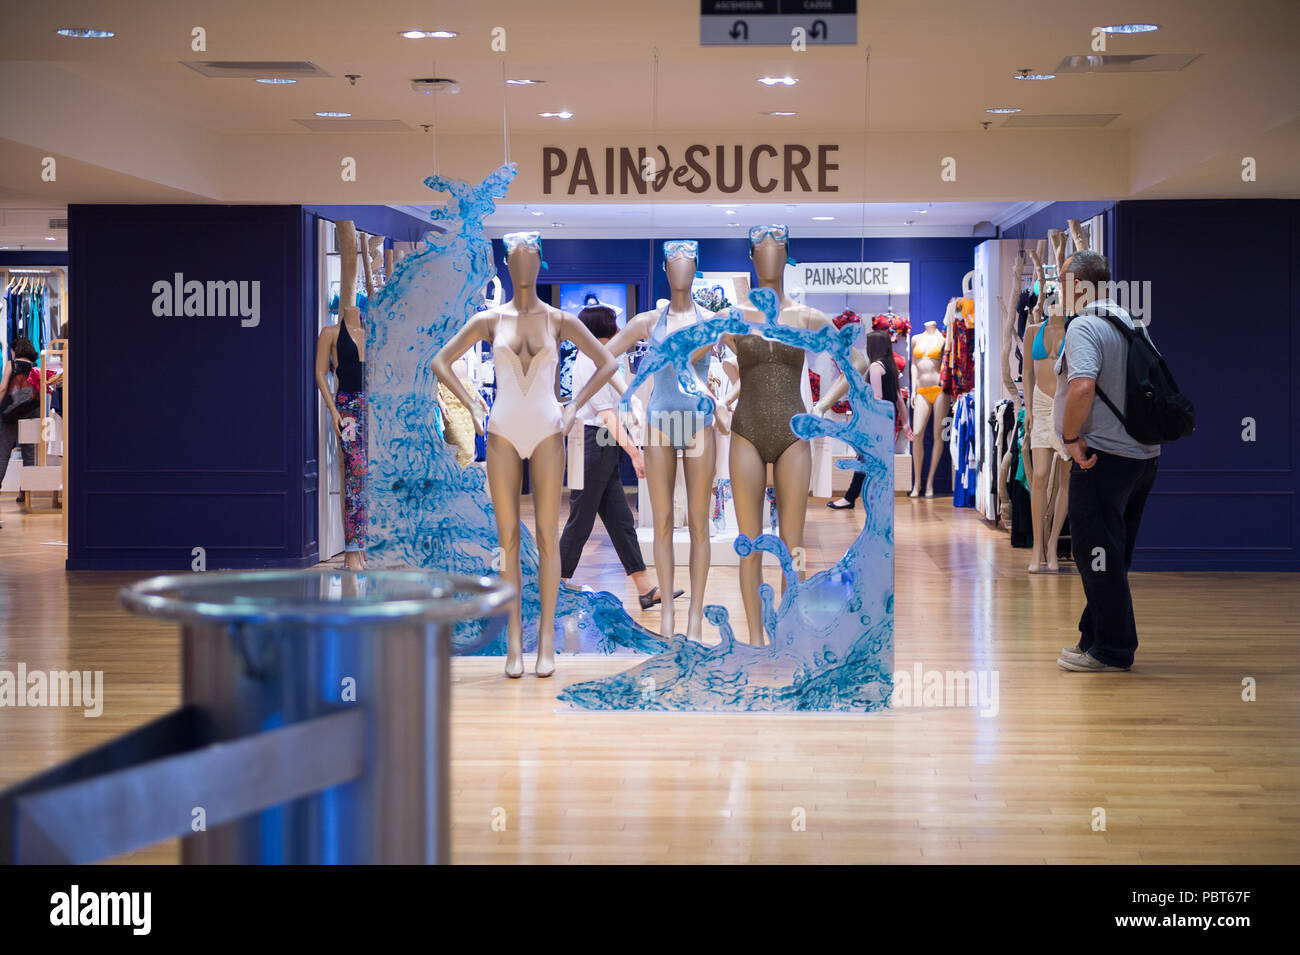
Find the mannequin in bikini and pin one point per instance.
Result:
(768, 395)
(675, 427)
(341, 348)
(928, 401)
(528, 424)
(1048, 457)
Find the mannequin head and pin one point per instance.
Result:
(769, 248)
(681, 262)
(524, 258)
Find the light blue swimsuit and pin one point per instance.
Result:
(671, 411)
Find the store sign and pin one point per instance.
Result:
(883, 278)
(778, 22)
(724, 169)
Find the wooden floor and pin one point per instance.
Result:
(1185, 771)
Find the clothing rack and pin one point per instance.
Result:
(8, 274)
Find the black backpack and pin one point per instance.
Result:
(1157, 411)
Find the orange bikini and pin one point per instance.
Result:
(935, 352)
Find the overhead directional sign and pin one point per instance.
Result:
(778, 22)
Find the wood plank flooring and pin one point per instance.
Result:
(1185, 770)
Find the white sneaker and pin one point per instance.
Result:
(1087, 663)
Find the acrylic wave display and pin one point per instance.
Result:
(832, 635)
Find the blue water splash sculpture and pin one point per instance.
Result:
(831, 639)
(424, 509)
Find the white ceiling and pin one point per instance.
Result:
(711, 220)
(128, 122)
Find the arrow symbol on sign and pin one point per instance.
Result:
(741, 27)
(818, 30)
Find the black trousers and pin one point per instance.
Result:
(1106, 503)
(602, 493)
(855, 486)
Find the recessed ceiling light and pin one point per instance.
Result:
(50, 238)
(779, 112)
(422, 34)
(557, 225)
(538, 212)
(731, 212)
(85, 34)
(1026, 75)
(777, 80)
(734, 225)
(910, 222)
(920, 211)
(562, 114)
(277, 81)
(523, 82)
(329, 115)
(823, 218)
(1130, 28)
(1003, 109)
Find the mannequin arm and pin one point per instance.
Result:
(1076, 233)
(474, 331)
(611, 422)
(324, 348)
(634, 331)
(1030, 333)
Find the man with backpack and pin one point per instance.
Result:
(1116, 404)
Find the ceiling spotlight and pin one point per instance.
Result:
(823, 218)
(777, 80)
(422, 34)
(1003, 109)
(84, 34)
(562, 114)
(523, 82)
(779, 112)
(1130, 28)
(277, 81)
(435, 84)
(1027, 75)
(329, 115)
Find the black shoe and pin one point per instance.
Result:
(651, 597)
(834, 506)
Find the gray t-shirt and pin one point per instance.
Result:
(1094, 348)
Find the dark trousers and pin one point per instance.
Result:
(855, 486)
(1106, 503)
(8, 441)
(602, 493)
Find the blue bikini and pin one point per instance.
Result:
(671, 411)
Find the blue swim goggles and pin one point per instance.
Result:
(779, 233)
(529, 240)
(682, 249)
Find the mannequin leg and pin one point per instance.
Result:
(748, 482)
(700, 467)
(661, 480)
(505, 478)
(1060, 507)
(920, 418)
(942, 404)
(546, 472)
(793, 470)
(1041, 459)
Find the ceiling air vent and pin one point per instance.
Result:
(58, 224)
(355, 125)
(1057, 120)
(236, 69)
(1126, 63)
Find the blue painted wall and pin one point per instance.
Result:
(1054, 216)
(1225, 316)
(186, 431)
(26, 258)
(395, 226)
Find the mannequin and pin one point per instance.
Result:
(770, 394)
(674, 427)
(346, 357)
(1007, 302)
(527, 424)
(1049, 459)
(928, 401)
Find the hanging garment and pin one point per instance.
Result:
(352, 409)
(967, 475)
(957, 373)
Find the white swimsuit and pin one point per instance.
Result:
(524, 412)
